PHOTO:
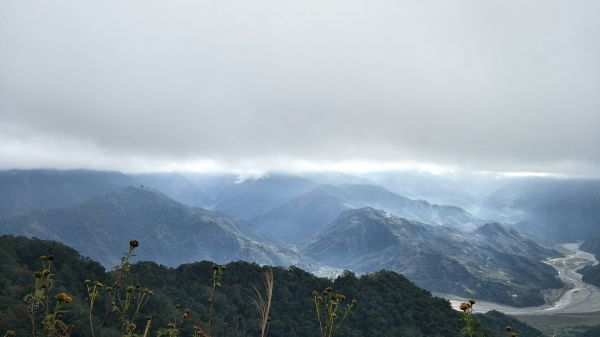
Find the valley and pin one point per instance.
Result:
(580, 297)
(329, 225)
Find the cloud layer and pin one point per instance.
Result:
(494, 85)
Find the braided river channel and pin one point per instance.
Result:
(579, 297)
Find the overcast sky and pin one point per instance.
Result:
(148, 85)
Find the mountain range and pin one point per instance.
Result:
(318, 221)
(173, 233)
(296, 220)
(438, 258)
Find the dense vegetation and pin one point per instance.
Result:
(389, 304)
(591, 274)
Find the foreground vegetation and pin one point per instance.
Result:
(202, 299)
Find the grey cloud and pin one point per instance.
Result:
(492, 85)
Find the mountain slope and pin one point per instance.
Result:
(298, 219)
(591, 274)
(172, 233)
(438, 258)
(549, 210)
(506, 239)
(252, 197)
(26, 190)
(388, 304)
(176, 186)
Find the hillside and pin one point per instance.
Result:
(251, 197)
(27, 190)
(591, 274)
(550, 210)
(296, 220)
(389, 305)
(174, 233)
(437, 258)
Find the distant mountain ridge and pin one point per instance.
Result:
(551, 210)
(299, 218)
(437, 258)
(174, 233)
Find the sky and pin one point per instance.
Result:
(502, 86)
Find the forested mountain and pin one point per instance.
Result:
(592, 246)
(174, 233)
(252, 197)
(175, 186)
(26, 190)
(298, 219)
(438, 258)
(551, 210)
(591, 274)
(388, 304)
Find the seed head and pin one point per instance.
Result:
(63, 297)
(50, 257)
(134, 243)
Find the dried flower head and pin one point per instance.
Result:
(134, 243)
(63, 297)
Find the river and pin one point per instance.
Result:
(580, 297)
